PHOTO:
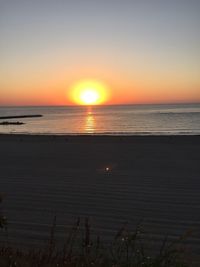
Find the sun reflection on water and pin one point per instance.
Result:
(89, 122)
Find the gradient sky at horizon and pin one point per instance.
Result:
(146, 51)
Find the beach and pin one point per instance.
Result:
(113, 180)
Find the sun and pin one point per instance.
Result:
(89, 96)
(89, 92)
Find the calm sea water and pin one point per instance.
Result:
(123, 119)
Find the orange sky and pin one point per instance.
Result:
(144, 53)
(51, 87)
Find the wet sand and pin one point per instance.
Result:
(155, 179)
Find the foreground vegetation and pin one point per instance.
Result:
(82, 249)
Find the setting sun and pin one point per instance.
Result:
(89, 92)
(89, 96)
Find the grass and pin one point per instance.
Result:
(81, 248)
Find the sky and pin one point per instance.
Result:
(145, 51)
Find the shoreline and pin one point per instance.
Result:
(111, 134)
(99, 135)
(75, 138)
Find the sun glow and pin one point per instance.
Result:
(89, 92)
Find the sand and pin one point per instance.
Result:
(155, 179)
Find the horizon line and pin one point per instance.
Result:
(104, 105)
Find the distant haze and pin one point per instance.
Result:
(145, 51)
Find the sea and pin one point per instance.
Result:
(165, 119)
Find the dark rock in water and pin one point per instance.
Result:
(11, 123)
(20, 116)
